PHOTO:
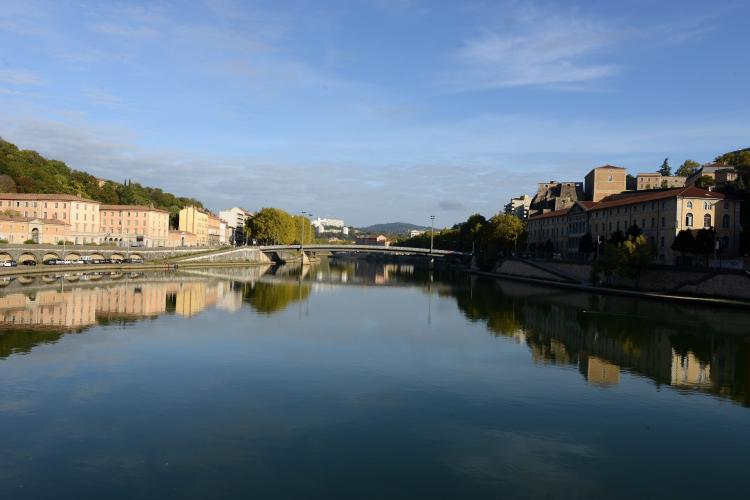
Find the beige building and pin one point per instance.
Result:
(720, 173)
(213, 228)
(182, 239)
(195, 221)
(80, 214)
(659, 214)
(134, 225)
(18, 229)
(605, 181)
(645, 182)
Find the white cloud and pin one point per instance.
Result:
(19, 77)
(535, 49)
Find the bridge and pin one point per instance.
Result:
(365, 249)
(250, 254)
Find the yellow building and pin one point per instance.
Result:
(605, 181)
(213, 229)
(135, 225)
(81, 214)
(644, 182)
(660, 215)
(195, 221)
(18, 229)
(182, 239)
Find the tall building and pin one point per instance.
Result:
(235, 218)
(332, 226)
(193, 220)
(81, 214)
(605, 181)
(519, 206)
(134, 225)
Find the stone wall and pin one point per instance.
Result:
(689, 282)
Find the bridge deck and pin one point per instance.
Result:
(364, 248)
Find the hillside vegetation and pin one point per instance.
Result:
(25, 171)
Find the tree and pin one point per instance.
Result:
(617, 237)
(687, 168)
(634, 231)
(705, 182)
(607, 262)
(665, 170)
(705, 241)
(586, 245)
(273, 226)
(7, 184)
(684, 243)
(635, 255)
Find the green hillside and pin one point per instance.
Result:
(24, 171)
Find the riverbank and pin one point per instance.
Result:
(155, 266)
(560, 281)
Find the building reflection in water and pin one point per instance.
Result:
(602, 336)
(685, 348)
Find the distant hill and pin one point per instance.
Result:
(25, 171)
(392, 228)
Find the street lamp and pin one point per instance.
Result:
(432, 232)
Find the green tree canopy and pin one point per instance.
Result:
(665, 169)
(687, 168)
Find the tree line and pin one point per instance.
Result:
(273, 226)
(26, 171)
(489, 239)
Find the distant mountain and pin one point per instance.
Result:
(392, 228)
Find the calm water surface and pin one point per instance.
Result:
(364, 380)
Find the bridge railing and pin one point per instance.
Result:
(364, 248)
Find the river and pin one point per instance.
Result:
(360, 379)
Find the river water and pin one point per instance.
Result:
(364, 380)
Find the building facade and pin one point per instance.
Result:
(605, 181)
(182, 239)
(645, 182)
(553, 196)
(369, 239)
(80, 214)
(195, 221)
(660, 215)
(519, 207)
(134, 225)
(17, 229)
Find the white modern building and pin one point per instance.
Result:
(333, 226)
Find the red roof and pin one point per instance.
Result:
(44, 196)
(555, 213)
(131, 207)
(618, 200)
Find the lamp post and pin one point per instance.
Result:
(432, 232)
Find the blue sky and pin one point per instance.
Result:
(372, 110)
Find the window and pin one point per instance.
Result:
(663, 222)
(706, 205)
(707, 220)
(689, 220)
(690, 204)
(610, 178)
(725, 221)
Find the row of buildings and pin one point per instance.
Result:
(53, 218)
(561, 214)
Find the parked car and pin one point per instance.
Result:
(50, 262)
(28, 263)
(10, 263)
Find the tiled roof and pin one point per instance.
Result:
(610, 166)
(617, 200)
(44, 196)
(131, 207)
(555, 213)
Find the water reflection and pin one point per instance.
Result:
(693, 348)
(688, 349)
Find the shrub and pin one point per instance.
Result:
(3, 241)
(29, 242)
(66, 242)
